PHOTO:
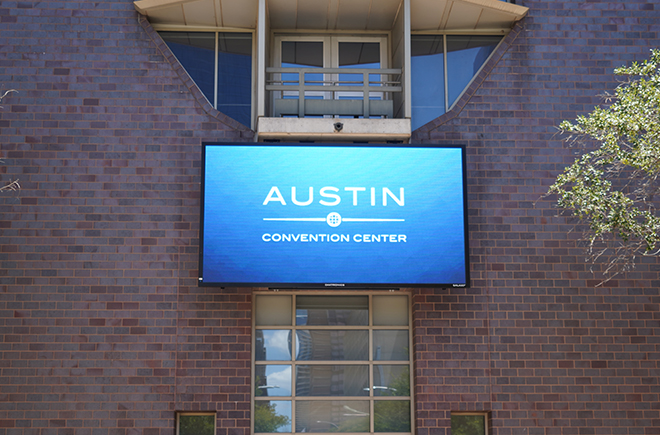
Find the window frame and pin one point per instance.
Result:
(216, 31)
(445, 54)
(370, 362)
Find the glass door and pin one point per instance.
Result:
(360, 53)
(295, 52)
(331, 53)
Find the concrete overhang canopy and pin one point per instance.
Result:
(357, 15)
(240, 14)
(464, 15)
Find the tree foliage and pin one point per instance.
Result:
(197, 425)
(614, 187)
(267, 419)
(11, 184)
(394, 415)
(465, 424)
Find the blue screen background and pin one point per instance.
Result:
(238, 179)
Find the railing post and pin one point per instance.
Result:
(365, 94)
(301, 94)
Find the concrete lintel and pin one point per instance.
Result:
(372, 130)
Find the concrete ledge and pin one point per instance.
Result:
(371, 130)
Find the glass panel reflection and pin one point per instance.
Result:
(272, 416)
(465, 56)
(332, 416)
(468, 424)
(390, 310)
(330, 380)
(302, 54)
(272, 345)
(332, 310)
(391, 380)
(427, 66)
(391, 345)
(197, 424)
(272, 380)
(273, 311)
(365, 55)
(332, 345)
(392, 416)
(235, 75)
(196, 52)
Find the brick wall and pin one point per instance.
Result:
(103, 329)
(535, 342)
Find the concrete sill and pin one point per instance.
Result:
(324, 129)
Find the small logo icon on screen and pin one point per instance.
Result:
(333, 219)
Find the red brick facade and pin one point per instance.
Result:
(103, 329)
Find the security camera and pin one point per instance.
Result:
(338, 126)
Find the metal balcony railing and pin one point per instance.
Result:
(357, 92)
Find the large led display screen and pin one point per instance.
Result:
(312, 215)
